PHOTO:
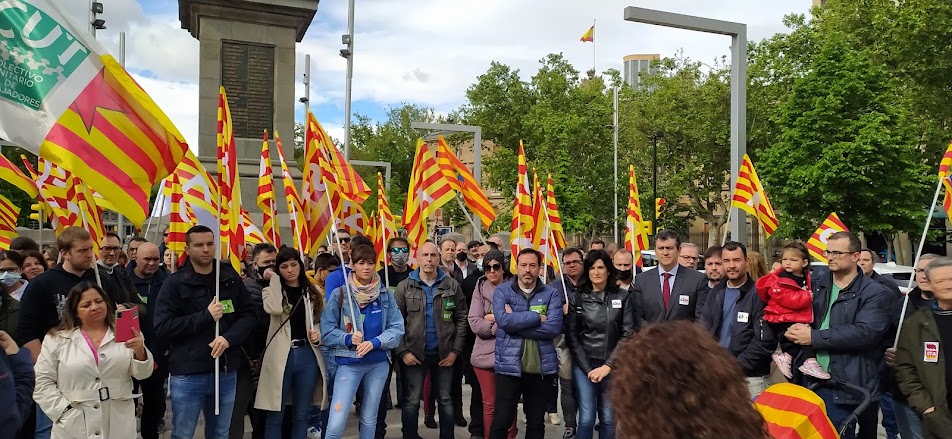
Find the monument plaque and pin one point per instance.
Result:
(247, 73)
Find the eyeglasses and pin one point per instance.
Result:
(9, 270)
(110, 249)
(166, 234)
(835, 254)
(689, 258)
(344, 240)
(493, 267)
(399, 250)
(572, 262)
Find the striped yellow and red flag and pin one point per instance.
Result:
(8, 222)
(10, 173)
(349, 182)
(353, 218)
(319, 211)
(816, 245)
(386, 227)
(636, 237)
(946, 162)
(428, 191)
(266, 199)
(51, 185)
(541, 234)
(69, 201)
(73, 104)
(461, 179)
(555, 219)
(793, 412)
(749, 195)
(522, 219)
(178, 217)
(589, 35)
(253, 235)
(299, 225)
(232, 226)
(947, 200)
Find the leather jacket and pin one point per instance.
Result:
(597, 323)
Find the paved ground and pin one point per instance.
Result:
(393, 423)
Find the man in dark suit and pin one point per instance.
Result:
(671, 291)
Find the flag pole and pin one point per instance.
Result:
(558, 262)
(383, 229)
(217, 270)
(727, 224)
(915, 265)
(469, 218)
(274, 216)
(594, 42)
(340, 253)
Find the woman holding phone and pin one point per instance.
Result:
(84, 375)
(292, 371)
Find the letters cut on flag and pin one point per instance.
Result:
(67, 100)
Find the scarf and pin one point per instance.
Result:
(365, 294)
(940, 311)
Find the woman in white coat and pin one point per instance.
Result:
(84, 376)
(292, 371)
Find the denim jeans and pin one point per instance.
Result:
(839, 412)
(44, 425)
(300, 377)
(593, 399)
(330, 364)
(194, 394)
(889, 416)
(908, 421)
(413, 381)
(373, 376)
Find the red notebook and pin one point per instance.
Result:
(126, 321)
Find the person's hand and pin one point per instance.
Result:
(218, 346)
(314, 336)
(890, 357)
(449, 360)
(565, 309)
(410, 360)
(929, 410)
(7, 344)
(490, 318)
(364, 347)
(136, 343)
(599, 373)
(356, 338)
(542, 317)
(800, 334)
(120, 307)
(268, 274)
(508, 309)
(215, 309)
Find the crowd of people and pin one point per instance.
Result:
(291, 343)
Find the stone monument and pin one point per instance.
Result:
(248, 46)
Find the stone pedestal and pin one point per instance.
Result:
(248, 46)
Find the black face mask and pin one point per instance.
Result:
(624, 275)
(462, 256)
(262, 269)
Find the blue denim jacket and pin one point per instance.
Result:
(334, 335)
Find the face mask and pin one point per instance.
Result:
(262, 269)
(479, 264)
(462, 256)
(399, 259)
(9, 279)
(624, 275)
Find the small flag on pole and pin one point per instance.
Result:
(266, 199)
(946, 162)
(749, 196)
(522, 220)
(636, 237)
(589, 35)
(816, 245)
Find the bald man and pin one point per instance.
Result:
(435, 314)
(147, 278)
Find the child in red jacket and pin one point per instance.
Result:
(789, 299)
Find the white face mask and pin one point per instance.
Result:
(479, 264)
(9, 279)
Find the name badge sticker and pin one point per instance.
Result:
(616, 303)
(684, 299)
(743, 317)
(931, 352)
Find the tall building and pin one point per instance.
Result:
(635, 65)
(819, 3)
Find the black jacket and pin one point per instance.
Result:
(254, 344)
(183, 321)
(594, 327)
(148, 290)
(752, 341)
(41, 306)
(124, 293)
(859, 319)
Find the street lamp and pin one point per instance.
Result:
(654, 176)
(738, 34)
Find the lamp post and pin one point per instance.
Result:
(654, 178)
(738, 34)
(615, 162)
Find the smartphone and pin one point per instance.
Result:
(126, 321)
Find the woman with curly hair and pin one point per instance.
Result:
(681, 384)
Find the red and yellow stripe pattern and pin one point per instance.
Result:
(461, 179)
(266, 199)
(749, 196)
(793, 412)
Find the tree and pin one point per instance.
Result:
(844, 146)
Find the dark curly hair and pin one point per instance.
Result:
(679, 383)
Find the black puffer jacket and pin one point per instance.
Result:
(598, 322)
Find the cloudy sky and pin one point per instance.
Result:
(424, 51)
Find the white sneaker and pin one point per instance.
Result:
(555, 419)
(313, 433)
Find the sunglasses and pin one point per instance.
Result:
(493, 267)
(344, 240)
(399, 250)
